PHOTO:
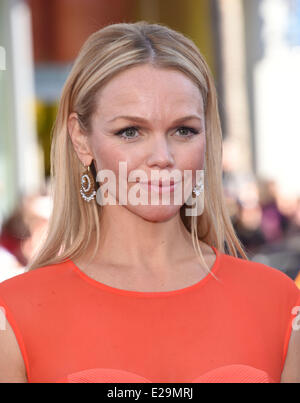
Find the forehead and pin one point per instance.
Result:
(147, 89)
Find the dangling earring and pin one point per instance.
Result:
(196, 200)
(198, 189)
(87, 189)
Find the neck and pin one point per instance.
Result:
(126, 239)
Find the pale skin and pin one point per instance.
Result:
(155, 244)
(155, 253)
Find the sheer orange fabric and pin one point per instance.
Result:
(226, 374)
(72, 328)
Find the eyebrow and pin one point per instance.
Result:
(142, 120)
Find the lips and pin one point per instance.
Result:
(160, 188)
(159, 183)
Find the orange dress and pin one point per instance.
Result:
(72, 328)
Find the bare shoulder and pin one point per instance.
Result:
(12, 367)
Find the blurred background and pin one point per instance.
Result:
(253, 50)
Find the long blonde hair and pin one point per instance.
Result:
(74, 223)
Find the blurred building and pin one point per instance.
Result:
(41, 40)
(21, 160)
(251, 46)
(273, 63)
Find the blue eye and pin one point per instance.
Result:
(187, 131)
(130, 131)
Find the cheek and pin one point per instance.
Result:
(105, 154)
(193, 157)
(197, 161)
(108, 156)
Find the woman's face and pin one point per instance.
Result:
(152, 119)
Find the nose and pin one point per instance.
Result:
(160, 154)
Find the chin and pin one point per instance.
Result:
(155, 213)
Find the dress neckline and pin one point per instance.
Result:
(150, 294)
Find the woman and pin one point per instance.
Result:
(128, 292)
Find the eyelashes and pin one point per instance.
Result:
(134, 129)
(127, 130)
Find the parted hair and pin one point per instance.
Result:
(75, 224)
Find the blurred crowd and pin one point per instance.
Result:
(23, 232)
(266, 221)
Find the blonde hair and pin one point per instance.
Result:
(74, 223)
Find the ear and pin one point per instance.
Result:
(79, 140)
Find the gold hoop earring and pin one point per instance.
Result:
(88, 186)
